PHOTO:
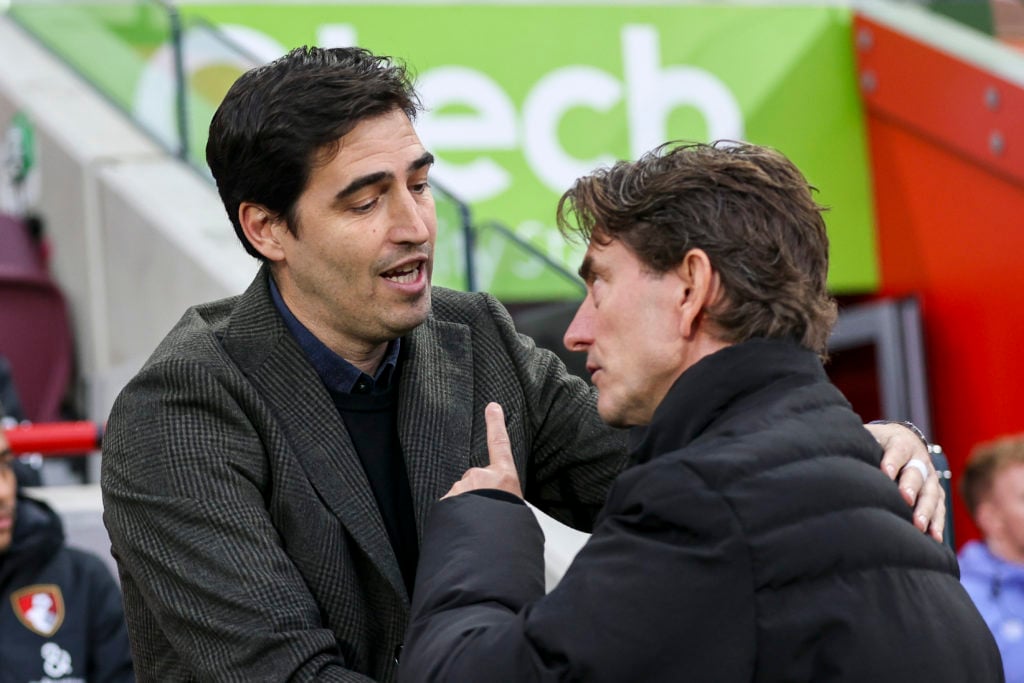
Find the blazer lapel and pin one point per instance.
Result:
(435, 411)
(262, 346)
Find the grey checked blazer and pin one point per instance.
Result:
(249, 544)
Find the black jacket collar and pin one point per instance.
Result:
(717, 383)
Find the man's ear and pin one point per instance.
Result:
(701, 288)
(263, 229)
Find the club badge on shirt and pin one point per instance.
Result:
(40, 608)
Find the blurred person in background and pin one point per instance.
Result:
(754, 537)
(267, 474)
(992, 569)
(10, 416)
(60, 609)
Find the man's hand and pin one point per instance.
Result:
(923, 492)
(501, 473)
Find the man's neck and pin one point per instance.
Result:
(367, 363)
(365, 356)
(1005, 551)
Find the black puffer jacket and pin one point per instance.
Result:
(60, 608)
(755, 540)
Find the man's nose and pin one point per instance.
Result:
(579, 334)
(411, 219)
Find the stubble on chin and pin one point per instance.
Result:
(416, 315)
(609, 415)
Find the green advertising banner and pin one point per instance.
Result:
(521, 99)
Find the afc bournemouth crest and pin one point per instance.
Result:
(40, 608)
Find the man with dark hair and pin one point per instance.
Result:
(754, 537)
(281, 122)
(267, 474)
(992, 569)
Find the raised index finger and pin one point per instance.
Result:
(499, 448)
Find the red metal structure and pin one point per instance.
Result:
(946, 139)
(55, 438)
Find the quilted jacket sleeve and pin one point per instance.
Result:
(661, 592)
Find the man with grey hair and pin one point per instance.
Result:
(754, 537)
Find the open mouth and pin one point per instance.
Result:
(403, 274)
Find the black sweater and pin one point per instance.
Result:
(372, 422)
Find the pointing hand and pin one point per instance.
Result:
(501, 474)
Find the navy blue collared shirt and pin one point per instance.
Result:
(337, 374)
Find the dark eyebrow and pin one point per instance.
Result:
(359, 183)
(426, 160)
